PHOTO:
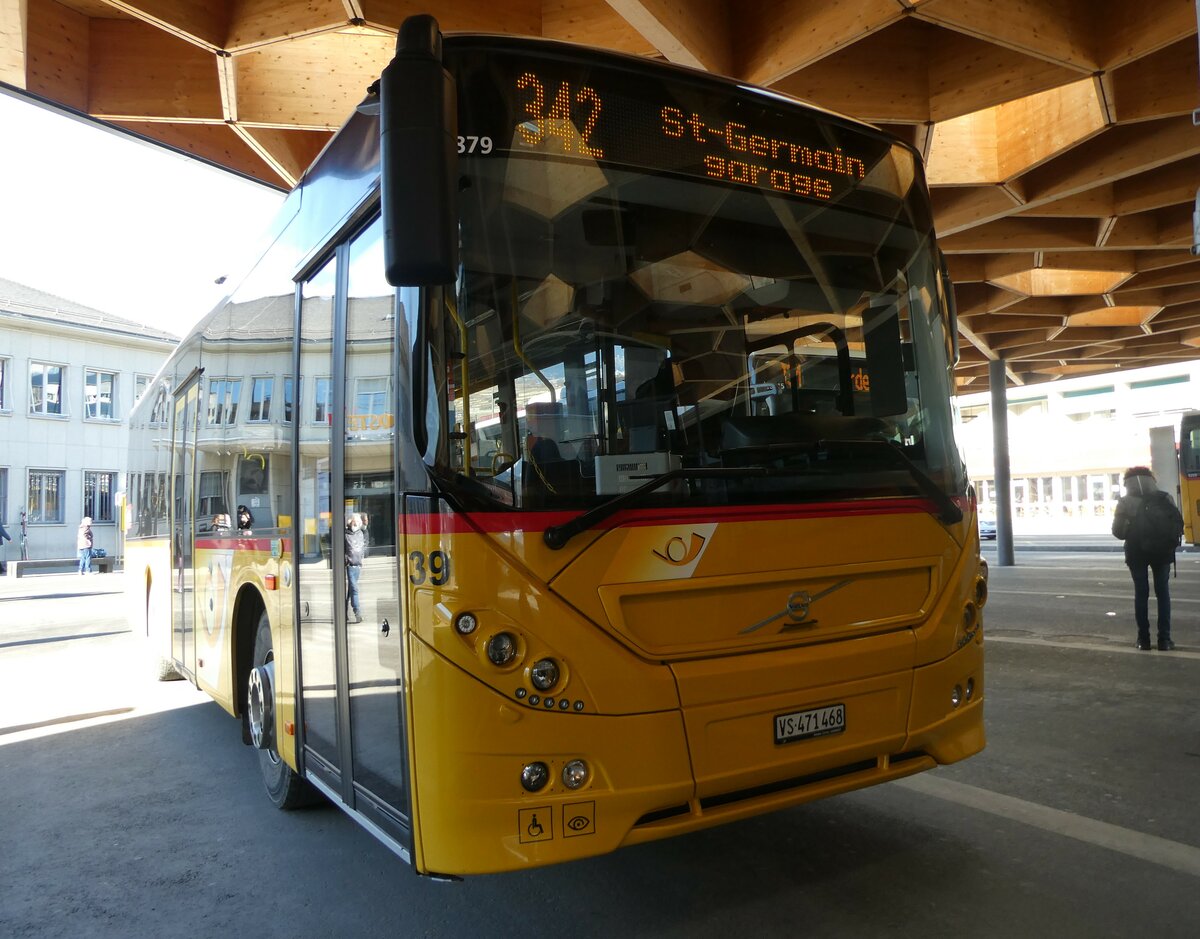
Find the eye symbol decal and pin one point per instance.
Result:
(678, 552)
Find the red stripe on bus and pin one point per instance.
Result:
(244, 544)
(494, 522)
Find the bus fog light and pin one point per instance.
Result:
(465, 624)
(544, 674)
(970, 614)
(970, 688)
(501, 649)
(534, 776)
(956, 696)
(575, 774)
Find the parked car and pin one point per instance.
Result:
(987, 529)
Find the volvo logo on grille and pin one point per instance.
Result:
(796, 609)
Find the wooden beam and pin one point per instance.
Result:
(695, 33)
(1133, 30)
(57, 55)
(288, 152)
(214, 143)
(968, 75)
(1092, 203)
(1090, 260)
(779, 37)
(956, 208)
(587, 21)
(202, 24)
(510, 17)
(975, 299)
(1116, 154)
(257, 23)
(1150, 88)
(1168, 185)
(1058, 31)
(881, 78)
(141, 73)
(14, 41)
(1003, 323)
(1024, 234)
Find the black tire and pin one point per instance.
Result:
(286, 789)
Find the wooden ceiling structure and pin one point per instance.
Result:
(1058, 134)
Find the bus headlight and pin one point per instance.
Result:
(502, 649)
(575, 774)
(544, 674)
(534, 776)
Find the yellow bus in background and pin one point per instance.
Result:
(636, 381)
(1189, 474)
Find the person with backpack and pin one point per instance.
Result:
(1152, 528)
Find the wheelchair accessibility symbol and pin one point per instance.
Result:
(535, 824)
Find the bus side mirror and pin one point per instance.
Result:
(418, 135)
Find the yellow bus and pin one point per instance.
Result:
(1189, 474)
(719, 557)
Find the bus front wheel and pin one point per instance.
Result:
(285, 787)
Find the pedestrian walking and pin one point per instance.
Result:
(1151, 527)
(356, 547)
(83, 542)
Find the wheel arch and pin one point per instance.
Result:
(248, 609)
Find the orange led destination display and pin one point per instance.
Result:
(664, 122)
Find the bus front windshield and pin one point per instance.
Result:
(613, 323)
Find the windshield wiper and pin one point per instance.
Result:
(556, 536)
(950, 513)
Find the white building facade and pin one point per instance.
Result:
(68, 378)
(1071, 440)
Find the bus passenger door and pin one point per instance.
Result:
(350, 626)
(374, 633)
(183, 575)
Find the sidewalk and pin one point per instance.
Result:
(30, 586)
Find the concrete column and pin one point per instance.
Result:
(1004, 534)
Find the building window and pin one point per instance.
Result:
(369, 406)
(1029, 406)
(45, 388)
(44, 504)
(4, 402)
(98, 489)
(322, 401)
(210, 498)
(260, 398)
(141, 383)
(288, 398)
(223, 397)
(100, 395)
(161, 407)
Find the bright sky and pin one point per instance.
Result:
(128, 228)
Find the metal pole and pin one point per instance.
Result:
(1004, 534)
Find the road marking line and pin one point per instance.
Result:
(999, 591)
(1183, 858)
(1089, 646)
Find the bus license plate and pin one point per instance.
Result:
(802, 725)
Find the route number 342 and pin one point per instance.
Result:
(433, 567)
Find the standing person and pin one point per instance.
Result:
(4, 536)
(356, 547)
(83, 542)
(245, 519)
(1150, 525)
